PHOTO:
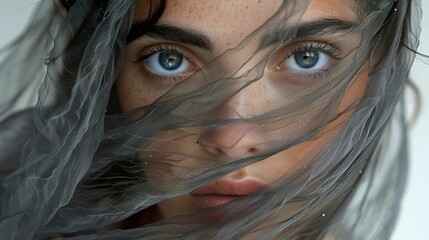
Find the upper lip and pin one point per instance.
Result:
(227, 186)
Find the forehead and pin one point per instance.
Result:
(227, 22)
(219, 17)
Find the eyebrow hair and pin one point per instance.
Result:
(172, 33)
(317, 27)
(324, 26)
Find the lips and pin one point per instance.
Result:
(223, 191)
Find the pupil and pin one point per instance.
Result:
(307, 59)
(170, 61)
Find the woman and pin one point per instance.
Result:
(201, 120)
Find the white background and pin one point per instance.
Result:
(414, 215)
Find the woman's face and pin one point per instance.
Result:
(195, 32)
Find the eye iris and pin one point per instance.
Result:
(170, 61)
(306, 59)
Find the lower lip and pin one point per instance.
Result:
(212, 200)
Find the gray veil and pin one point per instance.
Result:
(71, 167)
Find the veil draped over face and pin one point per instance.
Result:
(72, 169)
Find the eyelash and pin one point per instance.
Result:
(316, 75)
(165, 79)
(308, 46)
(289, 52)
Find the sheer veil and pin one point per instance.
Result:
(72, 169)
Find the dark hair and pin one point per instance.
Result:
(88, 26)
(120, 168)
(67, 3)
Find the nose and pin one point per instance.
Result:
(237, 135)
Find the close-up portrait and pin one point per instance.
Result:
(214, 119)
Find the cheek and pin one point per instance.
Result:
(133, 89)
(355, 90)
(287, 162)
(130, 93)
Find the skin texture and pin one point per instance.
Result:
(227, 24)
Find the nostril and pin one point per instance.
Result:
(219, 151)
(231, 142)
(252, 150)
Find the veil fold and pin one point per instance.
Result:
(71, 169)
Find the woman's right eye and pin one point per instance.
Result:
(164, 63)
(167, 64)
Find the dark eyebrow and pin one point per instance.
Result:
(171, 33)
(325, 26)
(318, 27)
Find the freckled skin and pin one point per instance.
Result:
(227, 23)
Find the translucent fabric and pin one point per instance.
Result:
(72, 169)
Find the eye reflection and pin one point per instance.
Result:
(307, 60)
(168, 62)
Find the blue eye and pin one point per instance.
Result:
(307, 60)
(170, 61)
(167, 63)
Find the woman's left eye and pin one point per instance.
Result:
(306, 61)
